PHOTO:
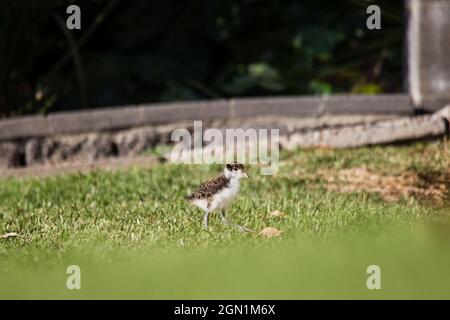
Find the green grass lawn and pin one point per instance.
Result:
(133, 234)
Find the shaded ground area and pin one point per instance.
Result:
(73, 167)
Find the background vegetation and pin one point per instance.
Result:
(147, 51)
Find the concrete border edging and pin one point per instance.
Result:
(110, 119)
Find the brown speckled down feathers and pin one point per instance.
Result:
(209, 188)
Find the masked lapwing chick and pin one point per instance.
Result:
(218, 193)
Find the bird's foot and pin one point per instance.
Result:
(241, 228)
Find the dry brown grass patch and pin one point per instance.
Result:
(407, 185)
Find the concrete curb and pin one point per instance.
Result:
(110, 119)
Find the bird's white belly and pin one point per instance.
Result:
(201, 203)
(223, 199)
(220, 200)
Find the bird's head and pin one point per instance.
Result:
(235, 170)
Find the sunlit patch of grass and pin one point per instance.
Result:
(141, 214)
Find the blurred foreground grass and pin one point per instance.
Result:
(413, 265)
(134, 236)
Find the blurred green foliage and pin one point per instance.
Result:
(147, 51)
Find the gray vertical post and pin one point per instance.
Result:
(428, 46)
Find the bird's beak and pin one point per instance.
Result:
(245, 175)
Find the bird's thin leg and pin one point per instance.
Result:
(226, 221)
(205, 220)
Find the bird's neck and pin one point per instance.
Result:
(234, 181)
(234, 185)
